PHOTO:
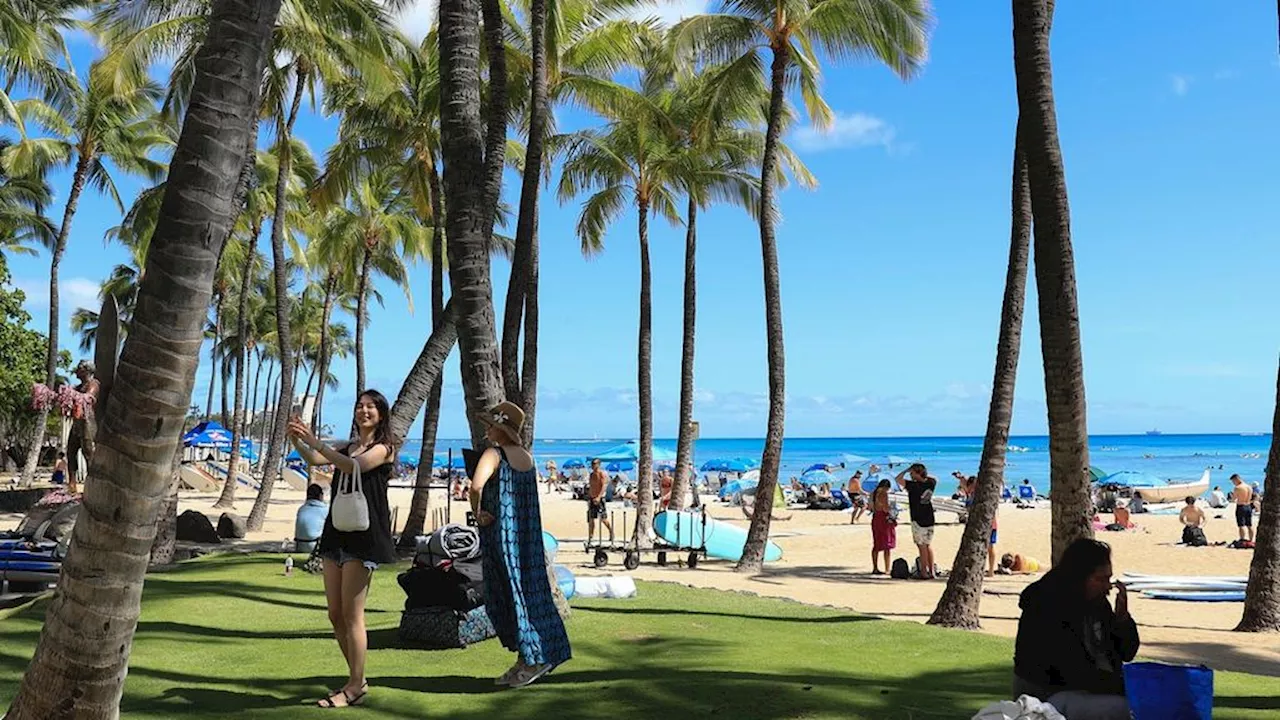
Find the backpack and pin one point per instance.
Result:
(1194, 537)
(900, 570)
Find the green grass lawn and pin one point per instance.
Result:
(230, 637)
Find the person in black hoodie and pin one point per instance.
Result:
(1071, 645)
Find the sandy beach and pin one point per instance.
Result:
(827, 562)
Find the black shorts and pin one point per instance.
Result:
(1244, 516)
(596, 510)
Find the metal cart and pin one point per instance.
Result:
(685, 536)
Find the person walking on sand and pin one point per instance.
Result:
(857, 496)
(1242, 498)
(920, 489)
(351, 556)
(517, 589)
(884, 528)
(596, 508)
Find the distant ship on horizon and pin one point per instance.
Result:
(1154, 432)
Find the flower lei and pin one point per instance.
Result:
(70, 401)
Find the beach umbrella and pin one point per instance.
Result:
(664, 465)
(853, 460)
(620, 466)
(573, 464)
(819, 477)
(630, 450)
(1132, 479)
(408, 459)
(824, 467)
(199, 430)
(734, 487)
(293, 455)
(736, 465)
(1096, 474)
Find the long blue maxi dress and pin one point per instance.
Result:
(517, 591)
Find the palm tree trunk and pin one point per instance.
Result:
(1055, 279)
(253, 403)
(213, 355)
(51, 352)
(529, 371)
(306, 390)
(226, 396)
(758, 533)
(330, 291)
(79, 666)
(268, 414)
(644, 385)
(466, 219)
(684, 441)
(959, 605)
(228, 497)
(527, 222)
(420, 504)
(284, 333)
(1262, 594)
(165, 543)
(425, 372)
(495, 144)
(361, 307)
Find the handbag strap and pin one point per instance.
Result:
(356, 485)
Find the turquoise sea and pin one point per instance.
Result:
(1182, 457)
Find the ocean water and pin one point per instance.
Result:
(1180, 457)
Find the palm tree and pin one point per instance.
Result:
(573, 47)
(959, 604)
(1055, 278)
(108, 125)
(895, 32)
(719, 150)
(33, 53)
(466, 224)
(634, 160)
(103, 577)
(23, 200)
(1262, 595)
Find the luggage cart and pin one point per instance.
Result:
(600, 556)
(685, 536)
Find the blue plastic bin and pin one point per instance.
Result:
(1158, 691)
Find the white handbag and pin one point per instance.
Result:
(350, 510)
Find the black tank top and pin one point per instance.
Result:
(374, 544)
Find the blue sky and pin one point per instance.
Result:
(892, 271)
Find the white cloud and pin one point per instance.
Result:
(1181, 84)
(73, 293)
(416, 19)
(847, 131)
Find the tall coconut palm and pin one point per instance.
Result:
(959, 604)
(80, 663)
(894, 32)
(1055, 278)
(108, 125)
(466, 220)
(573, 47)
(633, 161)
(261, 202)
(718, 112)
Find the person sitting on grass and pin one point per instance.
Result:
(309, 522)
(1071, 645)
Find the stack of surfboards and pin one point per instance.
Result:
(1187, 587)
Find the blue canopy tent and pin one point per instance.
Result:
(630, 450)
(408, 459)
(456, 464)
(735, 465)
(213, 436)
(573, 464)
(819, 477)
(200, 429)
(620, 466)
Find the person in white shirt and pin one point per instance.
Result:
(1217, 499)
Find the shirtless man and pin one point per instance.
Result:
(1242, 498)
(84, 428)
(596, 508)
(1192, 518)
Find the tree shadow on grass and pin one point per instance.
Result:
(664, 612)
(1218, 655)
(828, 573)
(159, 589)
(1246, 702)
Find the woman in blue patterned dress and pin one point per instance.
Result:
(504, 497)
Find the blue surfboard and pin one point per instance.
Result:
(723, 540)
(1223, 596)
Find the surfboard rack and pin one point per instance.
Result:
(633, 553)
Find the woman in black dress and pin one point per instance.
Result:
(351, 557)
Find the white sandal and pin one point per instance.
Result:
(529, 675)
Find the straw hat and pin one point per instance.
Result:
(508, 419)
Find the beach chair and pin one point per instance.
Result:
(1026, 495)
